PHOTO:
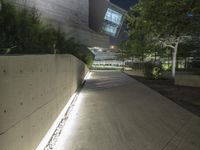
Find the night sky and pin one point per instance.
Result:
(125, 4)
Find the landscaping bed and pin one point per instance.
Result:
(187, 97)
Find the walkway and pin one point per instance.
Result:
(115, 112)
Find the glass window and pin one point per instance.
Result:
(113, 16)
(110, 29)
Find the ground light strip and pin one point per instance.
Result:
(50, 139)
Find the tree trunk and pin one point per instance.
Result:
(174, 59)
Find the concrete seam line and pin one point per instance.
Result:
(179, 130)
(17, 122)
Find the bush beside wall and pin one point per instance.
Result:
(22, 32)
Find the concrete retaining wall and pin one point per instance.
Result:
(33, 91)
(188, 80)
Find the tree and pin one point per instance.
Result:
(135, 46)
(170, 22)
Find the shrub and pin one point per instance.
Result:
(195, 64)
(153, 70)
(79, 50)
(83, 53)
(22, 32)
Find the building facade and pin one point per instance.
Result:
(70, 16)
(106, 17)
(91, 22)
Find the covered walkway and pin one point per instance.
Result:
(115, 112)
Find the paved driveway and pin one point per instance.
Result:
(115, 112)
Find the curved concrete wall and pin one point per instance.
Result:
(33, 91)
(71, 16)
(69, 12)
(98, 10)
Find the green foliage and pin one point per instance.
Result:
(22, 32)
(166, 23)
(196, 64)
(165, 19)
(82, 52)
(171, 18)
(191, 48)
(123, 54)
(135, 46)
(153, 70)
(71, 46)
(167, 67)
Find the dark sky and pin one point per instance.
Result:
(125, 4)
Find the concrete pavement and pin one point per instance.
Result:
(115, 112)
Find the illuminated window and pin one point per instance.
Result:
(112, 30)
(113, 16)
(112, 22)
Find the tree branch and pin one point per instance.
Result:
(167, 45)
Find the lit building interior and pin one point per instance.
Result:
(113, 21)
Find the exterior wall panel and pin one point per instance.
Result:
(34, 90)
(98, 10)
(71, 16)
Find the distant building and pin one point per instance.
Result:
(113, 20)
(106, 17)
